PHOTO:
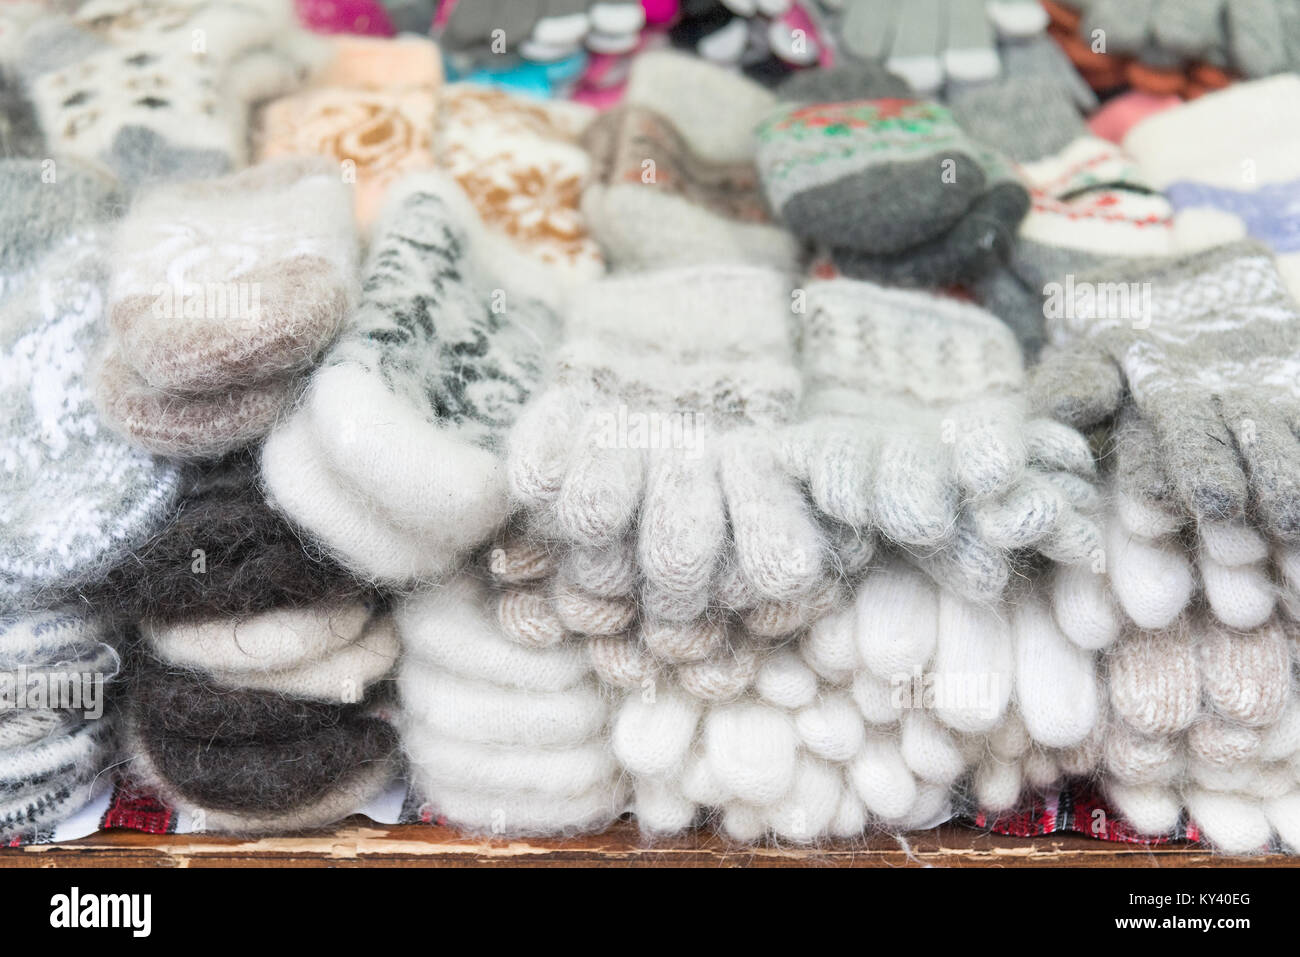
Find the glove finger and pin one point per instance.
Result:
(915, 499)
(972, 640)
(1200, 457)
(1155, 682)
(682, 531)
(1056, 681)
(1079, 386)
(540, 448)
(989, 449)
(779, 547)
(1053, 447)
(602, 488)
(897, 610)
(1272, 456)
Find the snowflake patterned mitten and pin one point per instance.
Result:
(74, 497)
(393, 459)
(522, 165)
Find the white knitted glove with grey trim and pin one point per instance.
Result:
(661, 420)
(915, 426)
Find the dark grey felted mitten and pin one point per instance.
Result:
(301, 785)
(226, 552)
(977, 243)
(878, 176)
(183, 703)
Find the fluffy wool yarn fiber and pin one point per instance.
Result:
(393, 458)
(51, 756)
(222, 292)
(160, 92)
(76, 498)
(224, 552)
(500, 737)
(674, 181)
(277, 722)
(370, 112)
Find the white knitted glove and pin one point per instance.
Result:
(876, 711)
(662, 412)
(914, 425)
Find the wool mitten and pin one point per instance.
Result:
(500, 738)
(393, 459)
(665, 194)
(74, 498)
(914, 425)
(45, 782)
(371, 111)
(662, 409)
(216, 304)
(271, 722)
(521, 164)
(226, 552)
(51, 754)
(1238, 180)
(1175, 353)
(904, 168)
(160, 93)
(326, 653)
(271, 787)
(37, 211)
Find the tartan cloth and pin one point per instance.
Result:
(1076, 808)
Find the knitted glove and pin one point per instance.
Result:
(663, 409)
(1205, 354)
(931, 41)
(810, 739)
(914, 426)
(1252, 35)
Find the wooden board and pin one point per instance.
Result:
(360, 842)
